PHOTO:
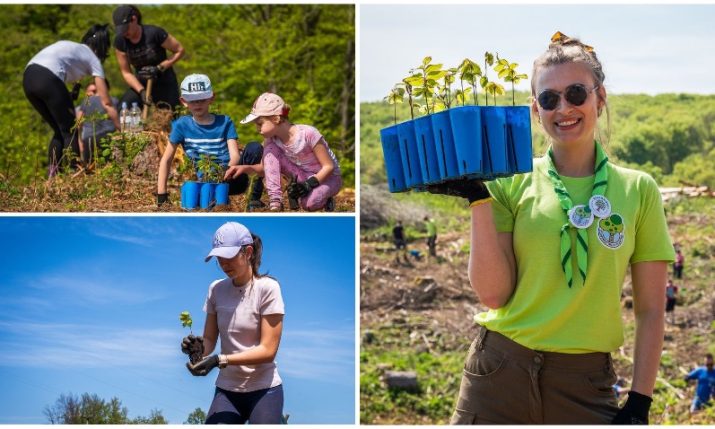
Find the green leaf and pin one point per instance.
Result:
(483, 81)
(426, 60)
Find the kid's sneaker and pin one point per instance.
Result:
(276, 206)
(330, 205)
(255, 204)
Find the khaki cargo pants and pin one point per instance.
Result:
(506, 383)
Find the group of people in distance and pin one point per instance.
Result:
(146, 55)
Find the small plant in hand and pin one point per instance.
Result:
(191, 345)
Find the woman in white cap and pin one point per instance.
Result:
(298, 152)
(245, 310)
(144, 47)
(45, 79)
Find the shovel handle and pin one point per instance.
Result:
(145, 111)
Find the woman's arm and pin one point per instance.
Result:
(649, 279)
(271, 329)
(174, 46)
(126, 70)
(326, 163)
(103, 93)
(164, 166)
(210, 333)
(492, 266)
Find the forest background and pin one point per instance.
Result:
(305, 53)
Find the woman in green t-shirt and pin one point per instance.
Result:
(549, 254)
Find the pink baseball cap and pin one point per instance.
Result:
(267, 104)
(229, 239)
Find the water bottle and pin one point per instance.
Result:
(136, 115)
(124, 118)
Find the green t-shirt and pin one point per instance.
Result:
(431, 228)
(545, 314)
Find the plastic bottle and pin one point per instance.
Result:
(136, 115)
(124, 118)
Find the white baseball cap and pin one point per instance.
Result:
(229, 239)
(196, 87)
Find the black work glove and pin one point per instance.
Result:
(161, 199)
(149, 72)
(204, 366)
(142, 95)
(301, 189)
(634, 411)
(471, 189)
(191, 344)
(75, 91)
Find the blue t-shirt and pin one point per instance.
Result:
(706, 382)
(200, 139)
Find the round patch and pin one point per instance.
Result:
(600, 206)
(580, 216)
(611, 231)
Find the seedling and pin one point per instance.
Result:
(424, 80)
(211, 171)
(484, 80)
(197, 352)
(468, 71)
(395, 97)
(507, 71)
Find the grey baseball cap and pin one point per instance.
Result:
(229, 239)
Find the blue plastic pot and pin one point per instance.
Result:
(467, 135)
(190, 195)
(519, 139)
(495, 149)
(444, 145)
(426, 149)
(408, 153)
(393, 160)
(206, 198)
(221, 194)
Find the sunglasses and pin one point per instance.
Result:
(575, 94)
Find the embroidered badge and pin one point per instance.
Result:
(611, 231)
(218, 239)
(580, 216)
(600, 206)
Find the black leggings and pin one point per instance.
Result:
(50, 97)
(263, 406)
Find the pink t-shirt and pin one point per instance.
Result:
(300, 151)
(238, 311)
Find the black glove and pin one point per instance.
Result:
(75, 91)
(149, 72)
(471, 189)
(300, 189)
(142, 95)
(204, 366)
(635, 410)
(161, 199)
(191, 344)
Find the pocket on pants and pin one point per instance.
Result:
(463, 417)
(483, 362)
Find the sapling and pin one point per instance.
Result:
(469, 71)
(507, 71)
(424, 80)
(396, 96)
(211, 172)
(484, 80)
(408, 90)
(196, 347)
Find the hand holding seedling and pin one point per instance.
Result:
(234, 171)
(191, 345)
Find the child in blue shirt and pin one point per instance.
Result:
(203, 133)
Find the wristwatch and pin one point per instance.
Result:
(222, 361)
(160, 67)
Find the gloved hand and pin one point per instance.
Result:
(471, 189)
(204, 366)
(142, 95)
(634, 411)
(300, 189)
(160, 200)
(149, 72)
(191, 344)
(75, 91)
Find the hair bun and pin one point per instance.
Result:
(560, 39)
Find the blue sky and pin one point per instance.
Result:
(91, 304)
(644, 48)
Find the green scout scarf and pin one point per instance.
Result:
(579, 217)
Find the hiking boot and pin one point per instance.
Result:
(330, 205)
(276, 206)
(255, 204)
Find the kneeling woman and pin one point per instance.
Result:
(246, 311)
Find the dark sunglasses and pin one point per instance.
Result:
(575, 94)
